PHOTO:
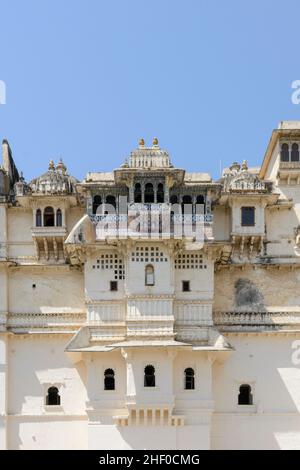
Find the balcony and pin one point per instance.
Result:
(289, 172)
(49, 242)
(289, 166)
(152, 221)
(49, 231)
(287, 319)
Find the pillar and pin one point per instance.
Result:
(3, 391)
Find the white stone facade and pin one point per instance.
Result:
(146, 338)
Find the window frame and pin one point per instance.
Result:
(58, 217)
(47, 215)
(149, 284)
(254, 216)
(193, 377)
(53, 408)
(113, 375)
(188, 283)
(151, 387)
(288, 152)
(245, 408)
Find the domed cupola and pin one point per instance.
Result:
(55, 181)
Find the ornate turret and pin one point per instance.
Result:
(149, 157)
(55, 181)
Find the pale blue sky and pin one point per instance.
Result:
(86, 79)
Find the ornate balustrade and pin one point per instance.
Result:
(54, 321)
(227, 321)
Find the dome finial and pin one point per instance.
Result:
(61, 166)
(141, 142)
(155, 141)
(51, 165)
(244, 165)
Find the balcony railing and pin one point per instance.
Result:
(289, 166)
(49, 231)
(256, 320)
(110, 218)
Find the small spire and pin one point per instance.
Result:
(244, 165)
(61, 166)
(141, 143)
(155, 141)
(51, 165)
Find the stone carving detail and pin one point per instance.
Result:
(240, 179)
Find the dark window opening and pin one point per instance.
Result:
(49, 217)
(97, 201)
(53, 397)
(58, 218)
(248, 216)
(174, 199)
(189, 382)
(160, 193)
(295, 153)
(201, 201)
(186, 205)
(186, 286)
(111, 200)
(149, 193)
(109, 379)
(113, 285)
(38, 218)
(245, 395)
(137, 193)
(284, 154)
(149, 376)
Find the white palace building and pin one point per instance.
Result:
(152, 308)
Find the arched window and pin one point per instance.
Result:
(284, 154)
(160, 193)
(245, 395)
(49, 217)
(97, 201)
(149, 376)
(200, 199)
(58, 218)
(109, 379)
(149, 275)
(201, 202)
(186, 200)
(53, 397)
(189, 379)
(38, 218)
(149, 193)
(295, 153)
(111, 200)
(137, 193)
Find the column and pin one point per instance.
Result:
(3, 391)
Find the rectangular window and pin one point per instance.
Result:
(113, 285)
(248, 216)
(186, 286)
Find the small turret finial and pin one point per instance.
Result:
(61, 166)
(244, 165)
(142, 143)
(51, 165)
(155, 141)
